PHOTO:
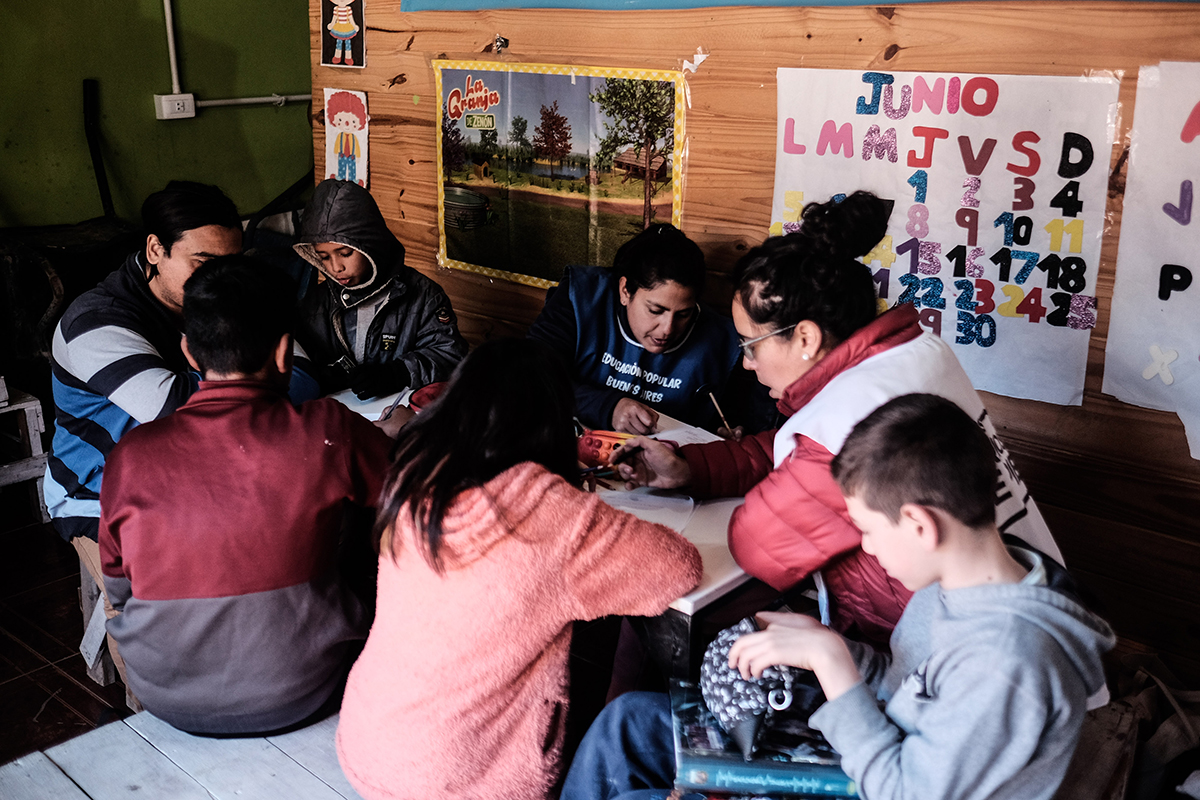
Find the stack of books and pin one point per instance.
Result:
(792, 759)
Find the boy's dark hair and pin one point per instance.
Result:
(235, 308)
(184, 206)
(508, 402)
(658, 254)
(812, 274)
(922, 449)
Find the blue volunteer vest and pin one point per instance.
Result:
(676, 382)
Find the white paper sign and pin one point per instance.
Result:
(1152, 357)
(346, 128)
(999, 184)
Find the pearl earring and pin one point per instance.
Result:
(805, 356)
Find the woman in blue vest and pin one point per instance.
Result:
(639, 342)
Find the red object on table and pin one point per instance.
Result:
(426, 395)
(596, 447)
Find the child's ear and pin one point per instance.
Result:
(924, 524)
(183, 345)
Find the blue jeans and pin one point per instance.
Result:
(628, 753)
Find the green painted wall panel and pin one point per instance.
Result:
(226, 49)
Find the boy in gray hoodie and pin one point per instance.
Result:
(994, 660)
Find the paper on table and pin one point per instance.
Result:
(671, 429)
(371, 409)
(671, 510)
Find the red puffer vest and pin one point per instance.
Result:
(794, 521)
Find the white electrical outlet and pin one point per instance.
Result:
(174, 106)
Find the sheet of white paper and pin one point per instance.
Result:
(686, 434)
(999, 184)
(672, 510)
(1152, 357)
(371, 409)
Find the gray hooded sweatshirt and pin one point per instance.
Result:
(985, 695)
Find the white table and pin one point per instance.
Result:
(371, 409)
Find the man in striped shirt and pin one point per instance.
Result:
(116, 357)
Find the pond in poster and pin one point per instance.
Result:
(542, 170)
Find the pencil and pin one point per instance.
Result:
(396, 402)
(720, 413)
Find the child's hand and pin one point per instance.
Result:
(652, 463)
(798, 641)
(392, 423)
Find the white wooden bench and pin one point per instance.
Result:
(144, 757)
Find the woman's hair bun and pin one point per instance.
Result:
(847, 229)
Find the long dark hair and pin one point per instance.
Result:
(813, 274)
(508, 402)
(659, 254)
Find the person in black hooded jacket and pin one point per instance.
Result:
(373, 324)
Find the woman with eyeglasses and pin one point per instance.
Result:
(806, 312)
(640, 343)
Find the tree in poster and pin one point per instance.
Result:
(488, 140)
(454, 149)
(517, 135)
(552, 139)
(643, 115)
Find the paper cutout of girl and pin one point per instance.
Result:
(346, 112)
(343, 29)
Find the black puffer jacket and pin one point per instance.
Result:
(414, 334)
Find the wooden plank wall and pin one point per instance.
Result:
(1115, 482)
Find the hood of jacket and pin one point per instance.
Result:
(1082, 636)
(345, 213)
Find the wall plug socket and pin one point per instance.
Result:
(174, 106)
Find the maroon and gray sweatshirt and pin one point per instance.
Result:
(219, 535)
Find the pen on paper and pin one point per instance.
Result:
(392, 407)
(625, 453)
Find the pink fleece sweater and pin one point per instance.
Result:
(461, 691)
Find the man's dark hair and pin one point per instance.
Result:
(659, 254)
(184, 206)
(922, 449)
(235, 308)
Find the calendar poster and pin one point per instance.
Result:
(999, 185)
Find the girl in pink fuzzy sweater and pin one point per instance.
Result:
(489, 550)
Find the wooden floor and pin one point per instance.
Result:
(45, 694)
(142, 756)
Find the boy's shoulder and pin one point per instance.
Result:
(1005, 629)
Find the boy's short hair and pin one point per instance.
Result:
(922, 449)
(235, 308)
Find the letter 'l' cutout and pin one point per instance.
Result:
(1181, 213)
(1191, 128)
(789, 139)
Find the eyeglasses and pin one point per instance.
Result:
(747, 345)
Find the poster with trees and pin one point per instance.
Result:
(543, 166)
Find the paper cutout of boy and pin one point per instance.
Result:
(346, 112)
(342, 28)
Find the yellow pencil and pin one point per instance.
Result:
(720, 413)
